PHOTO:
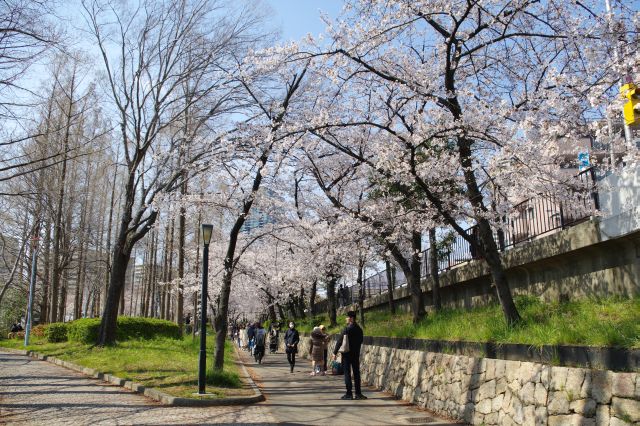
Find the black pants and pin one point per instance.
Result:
(258, 352)
(350, 361)
(326, 354)
(291, 357)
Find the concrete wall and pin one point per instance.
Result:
(587, 260)
(620, 191)
(501, 392)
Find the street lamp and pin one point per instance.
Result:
(202, 369)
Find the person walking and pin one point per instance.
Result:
(316, 351)
(260, 340)
(325, 352)
(244, 338)
(291, 339)
(273, 339)
(350, 356)
(251, 333)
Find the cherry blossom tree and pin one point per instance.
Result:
(465, 101)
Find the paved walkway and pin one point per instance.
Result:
(298, 398)
(34, 392)
(39, 393)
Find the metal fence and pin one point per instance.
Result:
(531, 219)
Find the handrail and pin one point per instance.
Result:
(530, 219)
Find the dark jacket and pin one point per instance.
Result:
(354, 333)
(291, 338)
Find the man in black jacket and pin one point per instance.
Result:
(351, 358)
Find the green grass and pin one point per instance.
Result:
(593, 322)
(166, 364)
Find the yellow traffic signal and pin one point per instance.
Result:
(631, 109)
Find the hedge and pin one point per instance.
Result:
(86, 330)
(56, 332)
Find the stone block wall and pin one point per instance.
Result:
(500, 392)
(485, 391)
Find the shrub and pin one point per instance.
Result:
(56, 332)
(146, 328)
(39, 330)
(86, 330)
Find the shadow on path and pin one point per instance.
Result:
(299, 398)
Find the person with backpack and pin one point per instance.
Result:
(260, 338)
(349, 344)
(291, 340)
(251, 332)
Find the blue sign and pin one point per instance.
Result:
(583, 160)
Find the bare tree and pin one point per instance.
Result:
(148, 52)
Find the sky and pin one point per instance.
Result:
(297, 18)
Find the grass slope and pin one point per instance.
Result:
(602, 322)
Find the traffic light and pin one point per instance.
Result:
(631, 109)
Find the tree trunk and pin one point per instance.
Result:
(145, 278)
(312, 298)
(417, 298)
(391, 281)
(62, 306)
(411, 269)
(360, 281)
(58, 231)
(474, 195)
(109, 230)
(181, 238)
(281, 311)
(165, 273)
(300, 303)
(195, 294)
(126, 238)
(44, 306)
(331, 297)
(108, 327)
(492, 256)
(272, 310)
(153, 313)
(57, 240)
(79, 293)
(433, 267)
(170, 276)
(133, 285)
(220, 322)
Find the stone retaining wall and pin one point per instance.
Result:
(500, 392)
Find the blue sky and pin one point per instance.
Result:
(296, 18)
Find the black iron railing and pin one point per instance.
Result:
(531, 219)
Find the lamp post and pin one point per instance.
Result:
(202, 369)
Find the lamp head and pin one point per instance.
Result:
(207, 229)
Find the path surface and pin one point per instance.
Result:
(299, 398)
(36, 392)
